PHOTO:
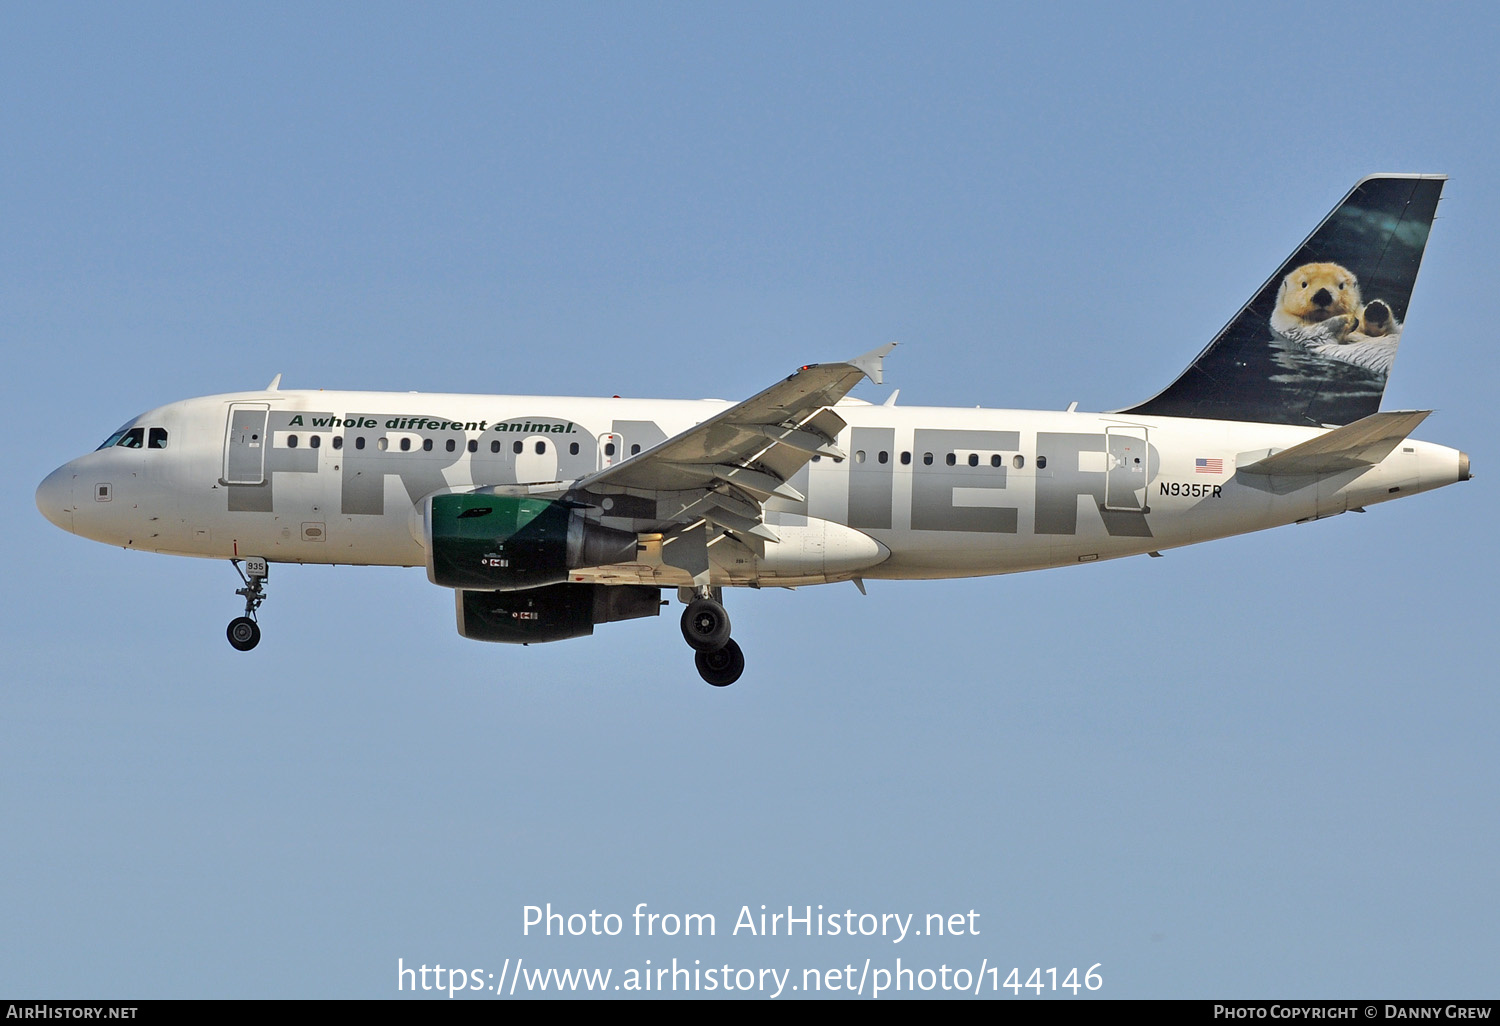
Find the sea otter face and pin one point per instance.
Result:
(1376, 320)
(1316, 292)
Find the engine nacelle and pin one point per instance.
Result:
(554, 613)
(507, 542)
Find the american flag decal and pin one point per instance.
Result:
(1208, 466)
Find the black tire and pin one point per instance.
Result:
(705, 625)
(722, 667)
(244, 633)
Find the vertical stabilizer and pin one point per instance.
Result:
(1315, 344)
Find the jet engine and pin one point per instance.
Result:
(509, 543)
(554, 613)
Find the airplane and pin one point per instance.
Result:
(547, 516)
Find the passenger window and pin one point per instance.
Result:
(995, 460)
(359, 443)
(495, 445)
(859, 456)
(291, 441)
(573, 449)
(973, 459)
(406, 445)
(132, 439)
(633, 449)
(382, 443)
(1018, 461)
(474, 444)
(817, 459)
(905, 459)
(426, 445)
(516, 448)
(451, 445)
(1041, 462)
(952, 459)
(315, 441)
(609, 448)
(884, 457)
(927, 459)
(158, 438)
(338, 441)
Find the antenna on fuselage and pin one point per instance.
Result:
(275, 384)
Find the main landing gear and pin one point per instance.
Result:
(705, 627)
(244, 632)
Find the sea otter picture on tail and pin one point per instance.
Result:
(1319, 307)
(1316, 343)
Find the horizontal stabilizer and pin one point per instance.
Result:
(1362, 444)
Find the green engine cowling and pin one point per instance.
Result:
(554, 613)
(507, 542)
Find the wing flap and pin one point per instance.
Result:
(763, 486)
(735, 522)
(812, 442)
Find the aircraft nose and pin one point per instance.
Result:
(54, 497)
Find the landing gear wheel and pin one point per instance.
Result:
(244, 633)
(721, 668)
(705, 626)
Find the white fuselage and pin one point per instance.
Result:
(340, 477)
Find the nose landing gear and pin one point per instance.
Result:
(243, 631)
(705, 627)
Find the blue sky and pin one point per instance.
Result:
(1263, 767)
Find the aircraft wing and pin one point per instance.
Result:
(724, 468)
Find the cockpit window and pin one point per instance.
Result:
(113, 439)
(136, 438)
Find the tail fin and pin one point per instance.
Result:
(1315, 344)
